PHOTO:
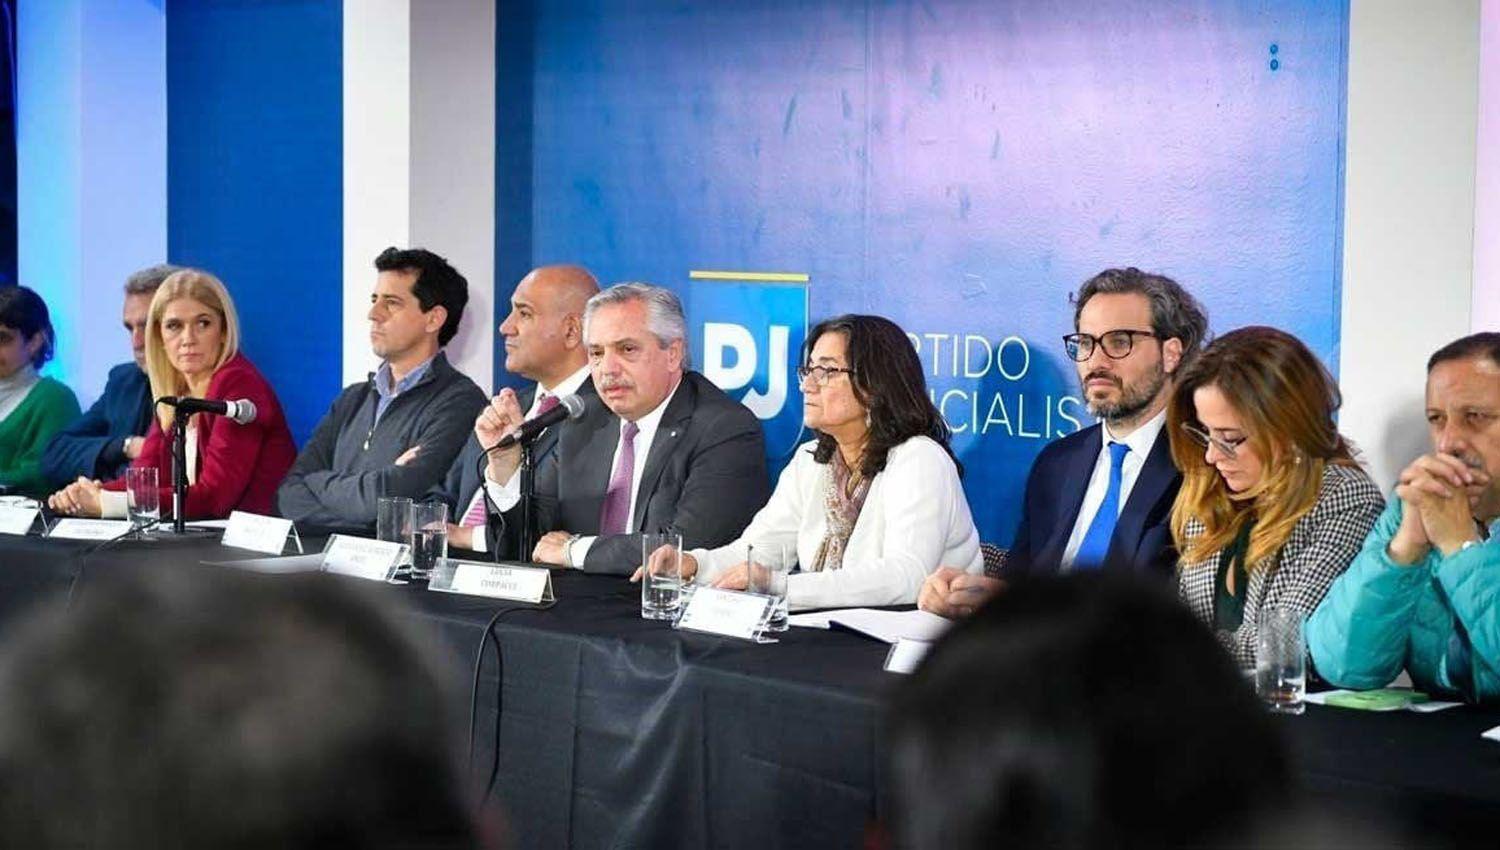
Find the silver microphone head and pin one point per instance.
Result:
(574, 405)
(242, 411)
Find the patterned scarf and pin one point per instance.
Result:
(842, 509)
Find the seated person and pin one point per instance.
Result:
(1134, 332)
(217, 708)
(103, 442)
(874, 504)
(1273, 505)
(32, 408)
(1081, 712)
(543, 343)
(192, 349)
(661, 447)
(1421, 594)
(396, 433)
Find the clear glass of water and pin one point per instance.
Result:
(1281, 659)
(768, 564)
(429, 537)
(661, 575)
(142, 497)
(393, 520)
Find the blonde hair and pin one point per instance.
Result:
(1287, 400)
(202, 287)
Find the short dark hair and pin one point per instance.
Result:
(1174, 311)
(24, 311)
(1080, 712)
(212, 707)
(1483, 344)
(887, 379)
(437, 283)
(146, 281)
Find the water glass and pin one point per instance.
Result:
(1281, 659)
(393, 520)
(661, 575)
(768, 565)
(429, 537)
(142, 496)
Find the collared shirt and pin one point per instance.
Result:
(388, 393)
(1140, 441)
(507, 495)
(566, 387)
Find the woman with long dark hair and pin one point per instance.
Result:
(873, 505)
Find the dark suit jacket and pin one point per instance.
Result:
(462, 481)
(94, 445)
(705, 477)
(1054, 494)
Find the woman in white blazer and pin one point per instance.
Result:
(874, 504)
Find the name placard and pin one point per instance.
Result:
(905, 655)
(497, 581)
(257, 533)
(16, 520)
(730, 613)
(376, 560)
(74, 528)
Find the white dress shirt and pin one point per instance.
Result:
(915, 519)
(1140, 441)
(508, 494)
(566, 387)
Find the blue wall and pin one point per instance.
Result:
(957, 166)
(255, 179)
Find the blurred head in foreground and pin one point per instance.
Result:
(1080, 712)
(220, 708)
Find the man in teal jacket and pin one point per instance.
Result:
(1423, 592)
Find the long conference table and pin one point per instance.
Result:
(603, 730)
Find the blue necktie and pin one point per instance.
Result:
(1096, 541)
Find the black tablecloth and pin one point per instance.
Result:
(624, 733)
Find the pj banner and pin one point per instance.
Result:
(957, 166)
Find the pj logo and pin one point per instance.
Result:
(750, 335)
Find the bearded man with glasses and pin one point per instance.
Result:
(1101, 498)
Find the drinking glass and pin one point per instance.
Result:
(429, 537)
(1281, 660)
(142, 498)
(393, 520)
(768, 565)
(661, 575)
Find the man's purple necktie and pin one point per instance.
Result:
(616, 514)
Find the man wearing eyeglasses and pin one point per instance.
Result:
(1101, 498)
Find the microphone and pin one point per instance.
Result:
(242, 411)
(568, 407)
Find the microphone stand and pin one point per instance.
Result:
(528, 495)
(179, 470)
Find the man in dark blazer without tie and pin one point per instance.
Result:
(660, 448)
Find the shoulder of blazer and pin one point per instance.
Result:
(1086, 439)
(700, 398)
(1342, 493)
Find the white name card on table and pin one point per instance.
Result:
(17, 520)
(360, 557)
(74, 528)
(516, 582)
(257, 533)
(905, 655)
(726, 612)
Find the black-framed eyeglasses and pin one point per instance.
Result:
(1227, 447)
(1117, 343)
(821, 375)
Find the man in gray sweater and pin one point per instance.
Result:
(397, 433)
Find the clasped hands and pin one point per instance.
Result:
(951, 592)
(81, 498)
(1437, 492)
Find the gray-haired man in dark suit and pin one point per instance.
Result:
(660, 447)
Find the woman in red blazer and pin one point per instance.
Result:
(192, 349)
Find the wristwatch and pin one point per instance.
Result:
(568, 550)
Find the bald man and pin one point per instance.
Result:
(543, 343)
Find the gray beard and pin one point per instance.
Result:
(1134, 400)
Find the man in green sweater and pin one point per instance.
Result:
(32, 408)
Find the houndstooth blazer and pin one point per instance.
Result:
(1322, 545)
